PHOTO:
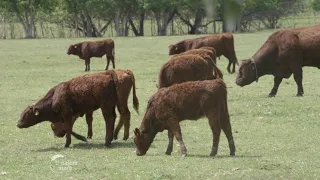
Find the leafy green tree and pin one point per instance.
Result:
(315, 4)
(191, 13)
(163, 11)
(27, 12)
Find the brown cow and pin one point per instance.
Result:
(89, 49)
(126, 81)
(76, 97)
(284, 53)
(222, 43)
(190, 100)
(204, 52)
(183, 68)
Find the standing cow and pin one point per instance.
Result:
(222, 43)
(284, 53)
(126, 81)
(190, 100)
(76, 97)
(185, 68)
(89, 49)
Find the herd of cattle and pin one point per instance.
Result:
(190, 86)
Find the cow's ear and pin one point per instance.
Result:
(36, 111)
(252, 66)
(137, 132)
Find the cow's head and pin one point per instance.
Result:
(143, 140)
(58, 129)
(73, 49)
(29, 117)
(247, 73)
(174, 49)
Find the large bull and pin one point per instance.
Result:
(284, 53)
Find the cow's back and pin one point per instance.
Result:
(91, 91)
(98, 48)
(189, 100)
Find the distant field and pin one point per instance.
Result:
(276, 138)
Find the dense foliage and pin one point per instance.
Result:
(91, 18)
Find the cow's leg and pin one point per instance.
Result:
(109, 115)
(228, 67)
(170, 145)
(216, 131)
(175, 128)
(277, 81)
(126, 120)
(297, 75)
(87, 63)
(226, 127)
(89, 123)
(113, 64)
(68, 128)
(119, 126)
(108, 61)
(78, 136)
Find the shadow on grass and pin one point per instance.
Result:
(223, 156)
(90, 146)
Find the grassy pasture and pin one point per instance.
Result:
(276, 138)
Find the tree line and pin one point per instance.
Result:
(92, 18)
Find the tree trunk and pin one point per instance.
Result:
(120, 23)
(163, 19)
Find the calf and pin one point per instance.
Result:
(181, 69)
(185, 67)
(89, 49)
(222, 43)
(189, 100)
(126, 81)
(76, 97)
(205, 52)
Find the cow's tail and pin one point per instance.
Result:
(114, 77)
(135, 98)
(161, 78)
(217, 71)
(114, 54)
(234, 56)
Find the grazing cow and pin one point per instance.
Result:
(222, 43)
(204, 52)
(126, 81)
(76, 97)
(183, 68)
(284, 53)
(89, 49)
(190, 100)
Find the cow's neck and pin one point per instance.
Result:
(265, 62)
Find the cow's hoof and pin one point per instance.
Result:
(271, 95)
(108, 144)
(66, 146)
(183, 155)
(168, 153)
(89, 137)
(232, 154)
(299, 95)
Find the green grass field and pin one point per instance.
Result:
(276, 138)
